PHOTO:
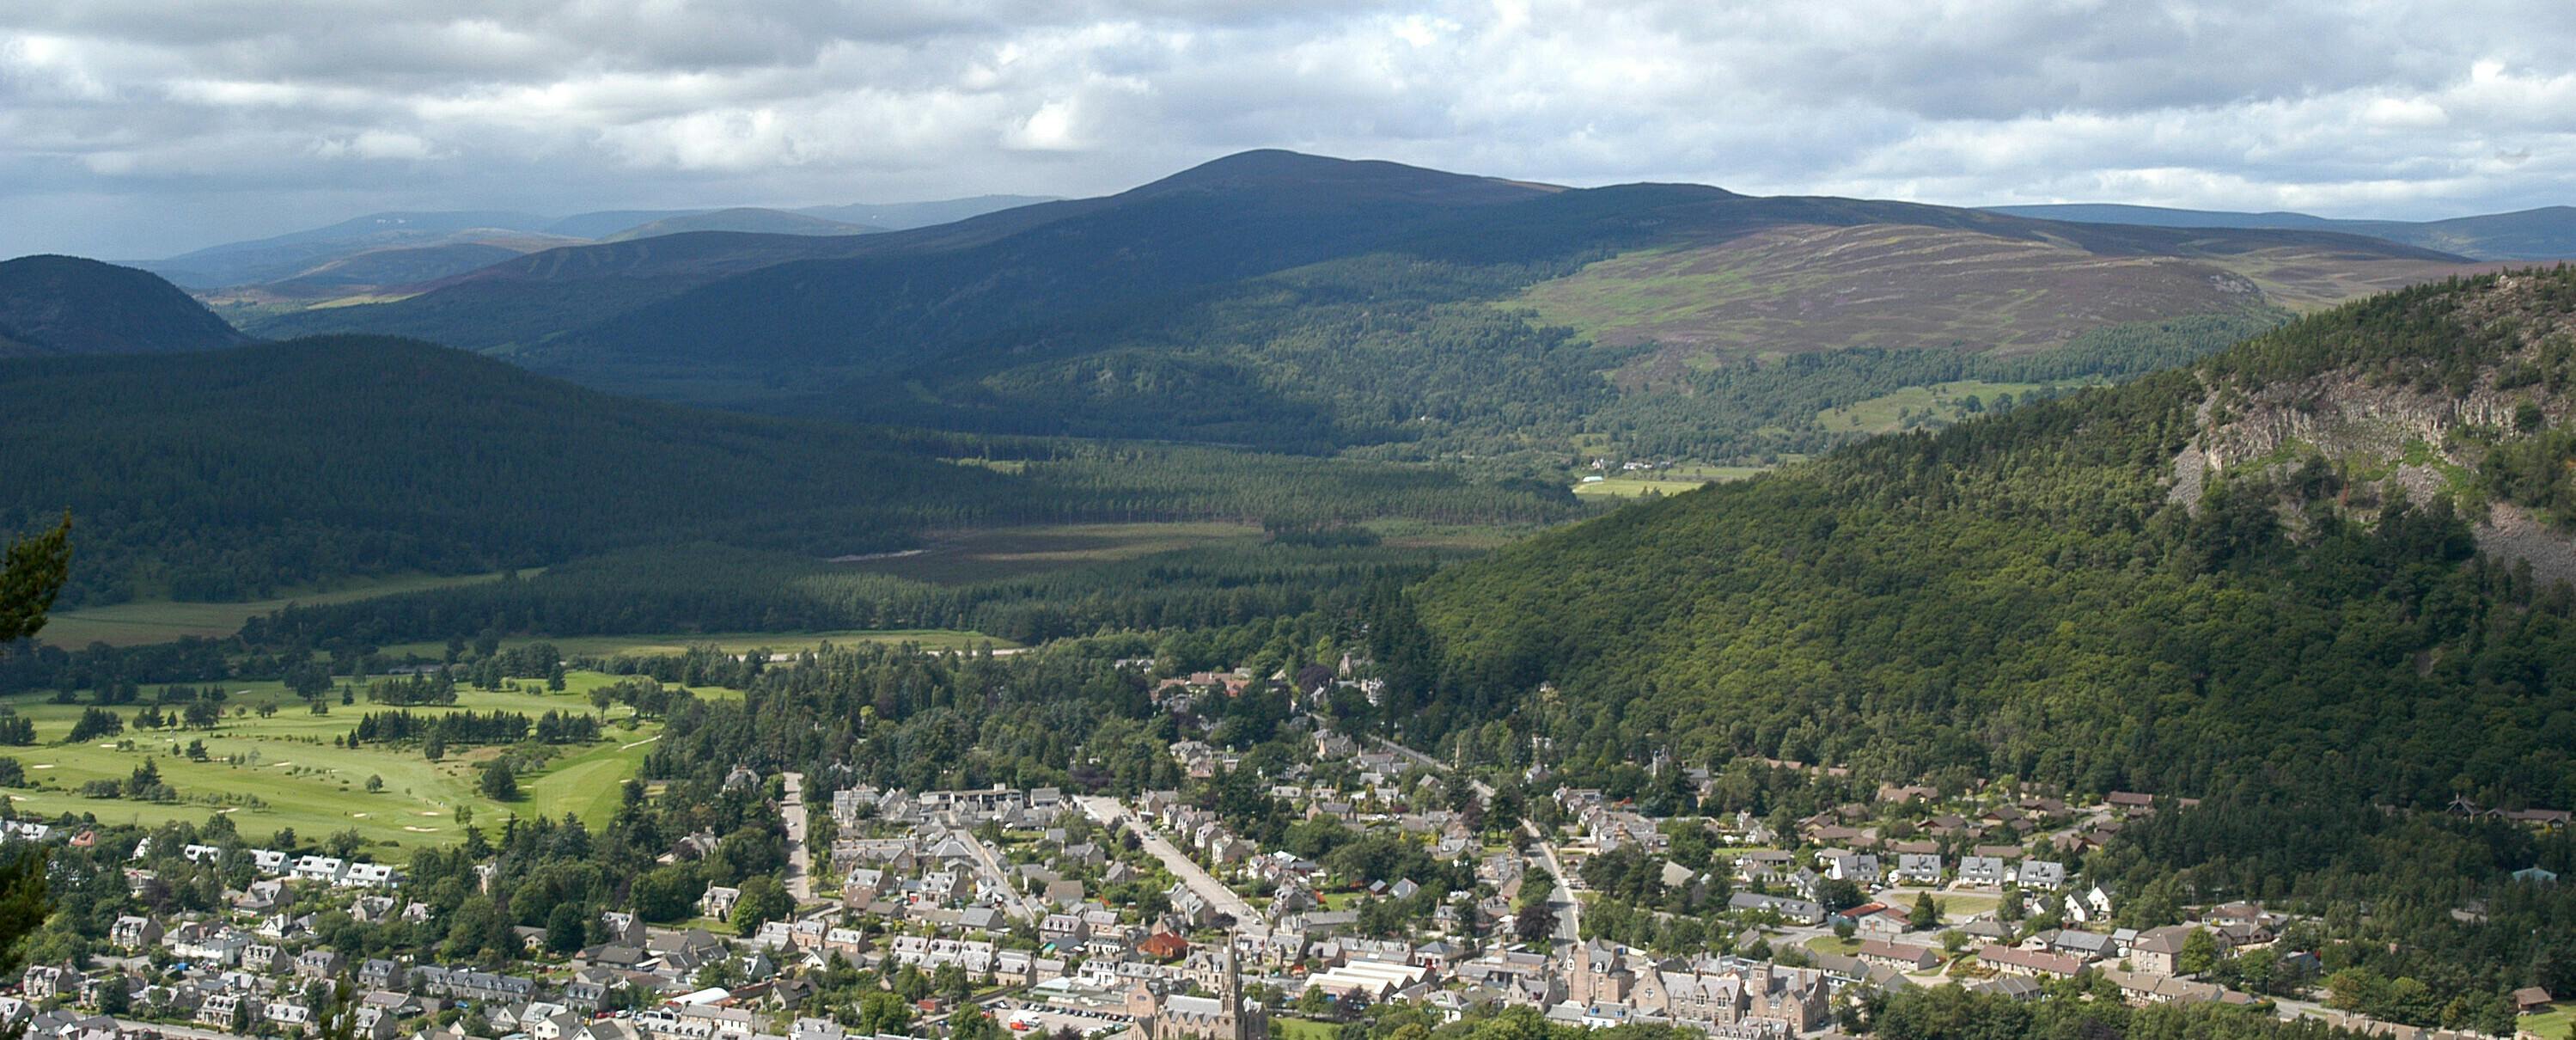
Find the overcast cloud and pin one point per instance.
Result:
(140, 128)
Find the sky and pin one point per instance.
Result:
(134, 129)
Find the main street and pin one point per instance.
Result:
(1014, 902)
(1569, 924)
(131, 1027)
(800, 860)
(1224, 900)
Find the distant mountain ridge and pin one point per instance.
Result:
(758, 221)
(294, 256)
(899, 216)
(283, 256)
(1241, 215)
(62, 305)
(2547, 233)
(1310, 303)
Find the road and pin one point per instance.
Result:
(130, 1027)
(1569, 922)
(1224, 900)
(1418, 758)
(1025, 907)
(800, 860)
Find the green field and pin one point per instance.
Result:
(669, 643)
(1882, 414)
(1286, 1028)
(160, 621)
(282, 771)
(1671, 481)
(1010, 552)
(2552, 1024)
(1960, 906)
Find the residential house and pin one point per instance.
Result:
(1900, 956)
(2045, 875)
(134, 932)
(2032, 963)
(2158, 951)
(2089, 903)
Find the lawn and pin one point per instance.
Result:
(1009, 552)
(160, 621)
(283, 770)
(1948, 400)
(1286, 1028)
(1672, 481)
(668, 643)
(2551, 1024)
(1960, 906)
(1830, 944)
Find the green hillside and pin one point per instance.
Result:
(60, 305)
(231, 474)
(243, 474)
(2261, 570)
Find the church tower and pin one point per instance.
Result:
(1251, 1018)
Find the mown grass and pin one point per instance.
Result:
(1960, 906)
(283, 771)
(161, 621)
(2558, 1021)
(1672, 481)
(1286, 1028)
(1008, 552)
(1883, 414)
(668, 643)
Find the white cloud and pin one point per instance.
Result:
(1053, 128)
(281, 109)
(2409, 113)
(376, 144)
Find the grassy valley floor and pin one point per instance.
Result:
(1668, 481)
(161, 621)
(282, 770)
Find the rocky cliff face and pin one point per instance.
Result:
(2389, 433)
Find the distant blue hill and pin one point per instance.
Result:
(2548, 233)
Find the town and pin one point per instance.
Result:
(1263, 895)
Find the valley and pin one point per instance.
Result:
(135, 623)
(1412, 605)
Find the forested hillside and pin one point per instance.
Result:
(238, 474)
(1299, 303)
(2262, 570)
(67, 305)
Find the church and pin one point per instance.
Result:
(1227, 1016)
